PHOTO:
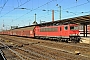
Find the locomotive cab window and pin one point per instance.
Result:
(73, 28)
(65, 27)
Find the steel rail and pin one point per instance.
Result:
(18, 54)
(1, 52)
(63, 50)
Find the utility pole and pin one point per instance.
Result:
(35, 17)
(3, 25)
(35, 20)
(52, 15)
(40, 21)
(60, 12)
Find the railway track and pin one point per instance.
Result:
(40, 49)
(11, 54)
(57, 53)
(84, 51)
(49, 42)
(74, 47)
(37, 54)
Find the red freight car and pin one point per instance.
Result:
(28, 31)
(23, 31)
(62, 33)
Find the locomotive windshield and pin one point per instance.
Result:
(73, 27)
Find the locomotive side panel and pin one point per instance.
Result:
(52, 31)
(65, 31)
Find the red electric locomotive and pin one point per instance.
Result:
(66, 33)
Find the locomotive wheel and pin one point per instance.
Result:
(66, 41)
(58, 39)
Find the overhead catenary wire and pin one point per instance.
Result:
(42, 6)
(16, 7)
(18, 2)
(35, 9)
(88, 0)
(51, 9)
(76, 5)
(74, 14)
(3, 6)
(77, 14)
(50, 2)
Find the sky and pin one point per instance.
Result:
(22, 12)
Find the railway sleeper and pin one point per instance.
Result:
(35, 53)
